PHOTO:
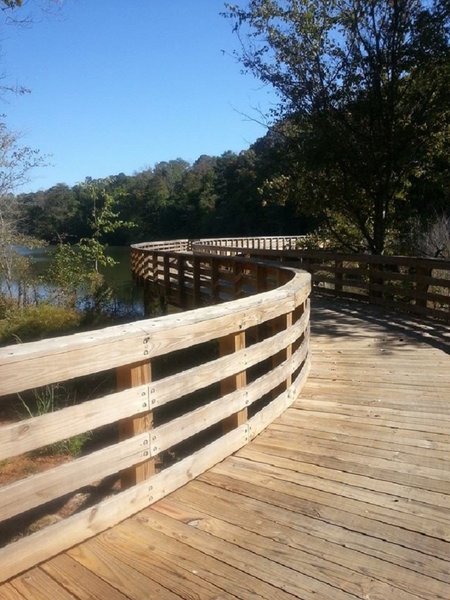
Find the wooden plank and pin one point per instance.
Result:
(427, 464)
(377, 432)
(117, 571)
(259, 567)
(314, 531)
(364, 555)
(190, 380)
(326, 502)
(59, 359)
(131, 376)
(368, 394)
(29, 434)
(36, 490)
(232, 344)
(409, 426)
(404, 415)
(9, 592)
(336, 515)
(137, 564)
(338, 567)
(341, 487)
(44, 544)
(187, 425)
(395, 490)
(433, 407)
(367, 445)
(37, 585)
(79, 580)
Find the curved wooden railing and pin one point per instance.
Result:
(416, 285)
(200, 383)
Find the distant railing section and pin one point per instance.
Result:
(193, 386)
(230, 245)
(420, 286)
(195, 280)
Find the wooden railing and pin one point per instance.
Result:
(188, 279)
(228, 245)
(416, 285)
(201, 383)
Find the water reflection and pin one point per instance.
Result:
(127, 297)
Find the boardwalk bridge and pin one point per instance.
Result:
(259, 455)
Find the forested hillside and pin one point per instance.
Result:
(259, 191)
(225, 195)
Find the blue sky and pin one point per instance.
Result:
(118, 86)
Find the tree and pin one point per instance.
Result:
(363, 87)
(78, 266)
(15, 163)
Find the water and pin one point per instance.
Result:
(127, 297)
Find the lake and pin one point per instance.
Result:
(128, 298)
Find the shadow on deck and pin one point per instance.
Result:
(345, 496)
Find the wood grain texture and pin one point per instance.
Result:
(136, 375)
(345, 495)
(64, 358)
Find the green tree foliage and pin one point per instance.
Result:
(15, 163)
(77, 266)
(243, 193)
(363, 89)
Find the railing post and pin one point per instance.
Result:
(228, 345)
(197, 275)
(132, 376)
(167, 284)
(422, 285)
(181, 281)
(155, 267)
(215, 295)
(237, 280)
(282, 323)
(338, 276)
(261, 279)
(375, 295)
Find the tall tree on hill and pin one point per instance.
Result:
(363, 87)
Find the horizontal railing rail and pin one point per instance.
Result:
(417, 285)
(224, 245)
(190, 389)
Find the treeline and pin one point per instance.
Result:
(233, 194)
(273, 188)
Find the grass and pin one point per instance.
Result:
(46, 400)
(35, 322)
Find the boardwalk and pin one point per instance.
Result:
(346, 496)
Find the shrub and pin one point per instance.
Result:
(30, 323)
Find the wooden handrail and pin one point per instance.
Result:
(254, 343)
(416, 285)
(249, 333)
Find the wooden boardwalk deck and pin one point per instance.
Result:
(346, 496)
